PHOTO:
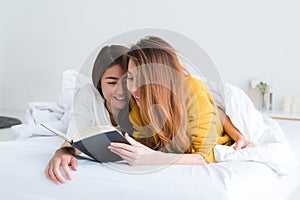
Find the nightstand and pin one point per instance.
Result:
(278, 114)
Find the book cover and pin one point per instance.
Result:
(94, 141)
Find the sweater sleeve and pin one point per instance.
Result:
(204, 126)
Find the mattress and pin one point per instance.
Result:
(23, 163)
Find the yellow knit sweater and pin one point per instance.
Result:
(205, 129)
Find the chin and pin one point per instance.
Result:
(119, 105)
(138, 104)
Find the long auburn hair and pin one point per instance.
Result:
(161, 86)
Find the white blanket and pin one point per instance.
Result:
(24, 161)
(22, 177)
(271, 146)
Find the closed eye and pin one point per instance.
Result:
(129, 76)
(111, 80)
(111, 83)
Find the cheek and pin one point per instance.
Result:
(107, 93)
(128, 84)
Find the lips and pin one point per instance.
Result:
(137, 98)
(120, 98)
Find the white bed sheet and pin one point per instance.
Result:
(289, 184)
(23, 163)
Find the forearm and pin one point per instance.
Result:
(234, 133)
(179, 159)
(190, 159)
(231, 130)
(139, 154)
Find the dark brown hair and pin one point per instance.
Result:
(107, 57)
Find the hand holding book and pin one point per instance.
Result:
(94, 142)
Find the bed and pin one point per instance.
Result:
(23, 162)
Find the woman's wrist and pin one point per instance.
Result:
(236, 136)
(66, 149)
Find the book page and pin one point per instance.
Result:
(86, 157)
(91, 131)
(57, 132)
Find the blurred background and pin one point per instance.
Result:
(247, 40)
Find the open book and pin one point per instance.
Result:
(94, 141)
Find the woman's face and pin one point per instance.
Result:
(131, 81)
(112, 89)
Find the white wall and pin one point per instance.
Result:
(246, 39)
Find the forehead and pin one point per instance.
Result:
(131, 64)
(114, 71)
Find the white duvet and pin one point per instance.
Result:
(24, 161)
(244, 174)
(271, 147)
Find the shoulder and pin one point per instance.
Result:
(88, 95)
(88, 91)
(197, 91)
(196, 84)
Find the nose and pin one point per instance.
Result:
(119, 88)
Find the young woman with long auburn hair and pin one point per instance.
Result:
(172, 113)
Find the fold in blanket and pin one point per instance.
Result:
(271, 146)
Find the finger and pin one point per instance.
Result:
(74, 163)
(126, 158)
(121, 152)
(57, 172)
(123, 146)
(250, 144)
(46, 171)
(238, 146)
(65, 167)
(49, 173)
(52, 176)
(131, 140)
(233, 146)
